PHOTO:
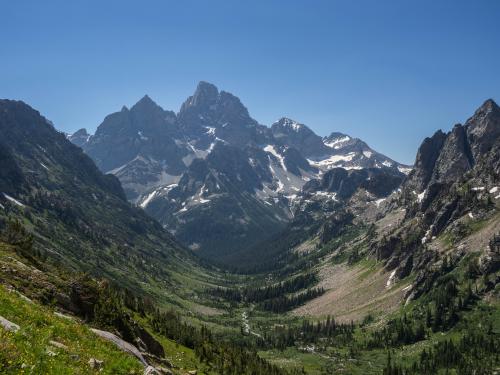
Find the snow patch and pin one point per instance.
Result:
(479, 188)
(118, 169)
(420, 196)
(493, 190)
(326, 194)
(390, 280)
(212, 145)
(288, 123)
(272, 150)
(141, 136)
(405, 170)
(210, 130)
(13, 200)
(154, 193)
(336, 142)
(368, 154)
(426, 236)
(347, 167)
(331, 161)
(146, 201)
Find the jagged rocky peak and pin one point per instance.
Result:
(146, 110)
(299, 136)
(427, 154)
(455, 157)
(145, 114)
(287, 124)
(80, 132)
(209, 107)
(342, 143)
(483, 128)
(336, 140)
(445, 158)
(208, 98)
(145, 104)
(80, 137)
(230, 104)
(204, 96)
(210, 115)
(135, 143)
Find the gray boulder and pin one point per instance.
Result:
(95, 364)
(8, 325)
(121, 344)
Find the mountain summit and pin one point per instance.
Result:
(213, 166)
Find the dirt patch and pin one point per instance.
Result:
(391, 220)
(352, 293)
(207, 310)
(305, 247)
(478, 241)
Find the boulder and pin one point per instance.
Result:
(64, 316)
(8, 325)
(95, 364)
(58, 345)
(120, 343)
(150, 370)
(489, 263)
(164, 371)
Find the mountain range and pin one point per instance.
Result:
(220, 181)
(323, 255)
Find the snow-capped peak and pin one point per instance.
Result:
(289, 123)
(336, 142)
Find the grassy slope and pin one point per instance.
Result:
(29, 347)
(40, 325)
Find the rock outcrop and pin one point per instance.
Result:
(8, 325)
(121, 344)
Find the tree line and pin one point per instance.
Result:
(474, 353)
(277, 298)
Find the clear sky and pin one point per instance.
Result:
(389, 72)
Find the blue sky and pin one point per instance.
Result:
(389, 72)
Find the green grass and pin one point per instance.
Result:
(27, 351)
(292, 358)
